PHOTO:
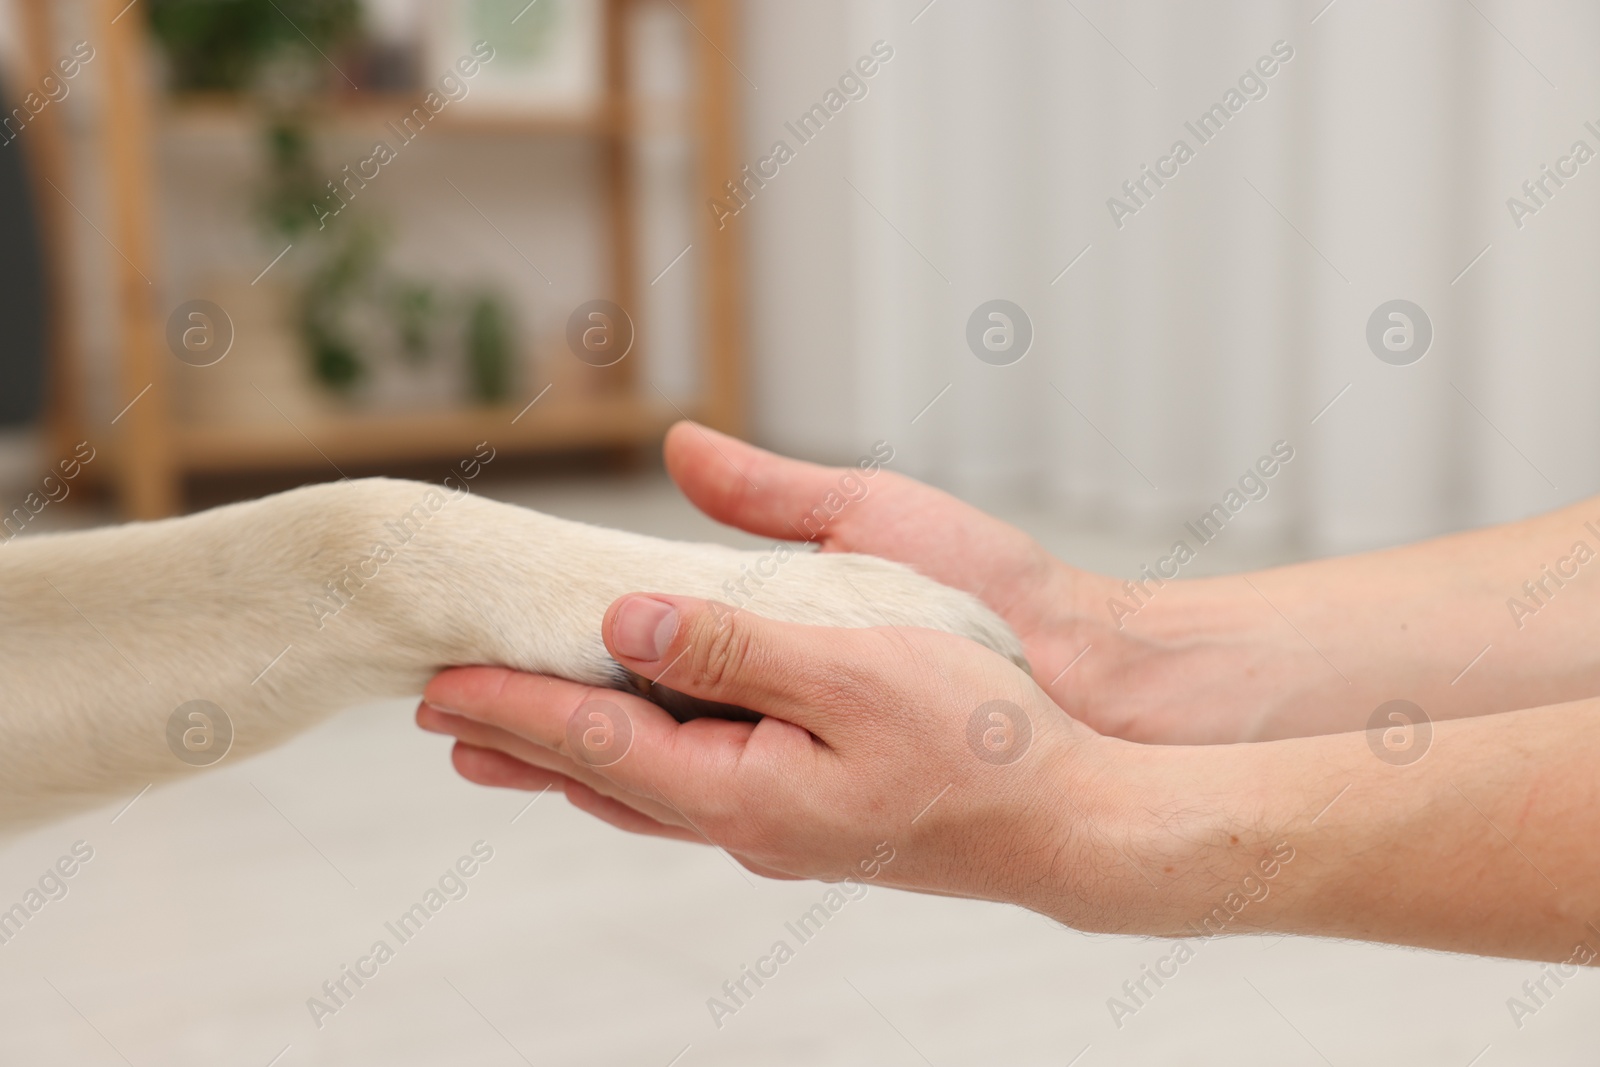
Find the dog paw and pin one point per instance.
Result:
(486, 582)
(843, 589)
(819, 589)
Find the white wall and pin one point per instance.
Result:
(1220, 318)
(1228, 311)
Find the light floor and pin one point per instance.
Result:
(213, 909)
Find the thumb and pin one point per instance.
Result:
(761, 492)
(710, 653)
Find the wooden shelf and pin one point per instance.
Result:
(153, 451)
(367, 439)
(199, 112)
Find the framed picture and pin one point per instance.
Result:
(546, 54)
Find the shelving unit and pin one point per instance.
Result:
(368, 439)
(153, 452)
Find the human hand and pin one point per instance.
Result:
(1204, 663)
(881, 760)
(883, 513)
(908, 757)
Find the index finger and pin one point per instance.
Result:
(744, 486)
(617, 735)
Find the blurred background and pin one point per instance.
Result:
(252, 243)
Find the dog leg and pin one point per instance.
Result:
(284, 610)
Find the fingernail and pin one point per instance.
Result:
(644, 628)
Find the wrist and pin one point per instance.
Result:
(1197, 661)
(1161, 841)
(1066, 624)
(405, 573)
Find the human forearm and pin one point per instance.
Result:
(1316, 647)
(1484, 845)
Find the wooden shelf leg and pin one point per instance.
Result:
(717, 119)
(148, 476)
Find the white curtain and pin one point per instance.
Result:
(1231, 308)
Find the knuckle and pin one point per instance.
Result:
(722, 648)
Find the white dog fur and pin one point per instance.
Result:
(284, 610)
